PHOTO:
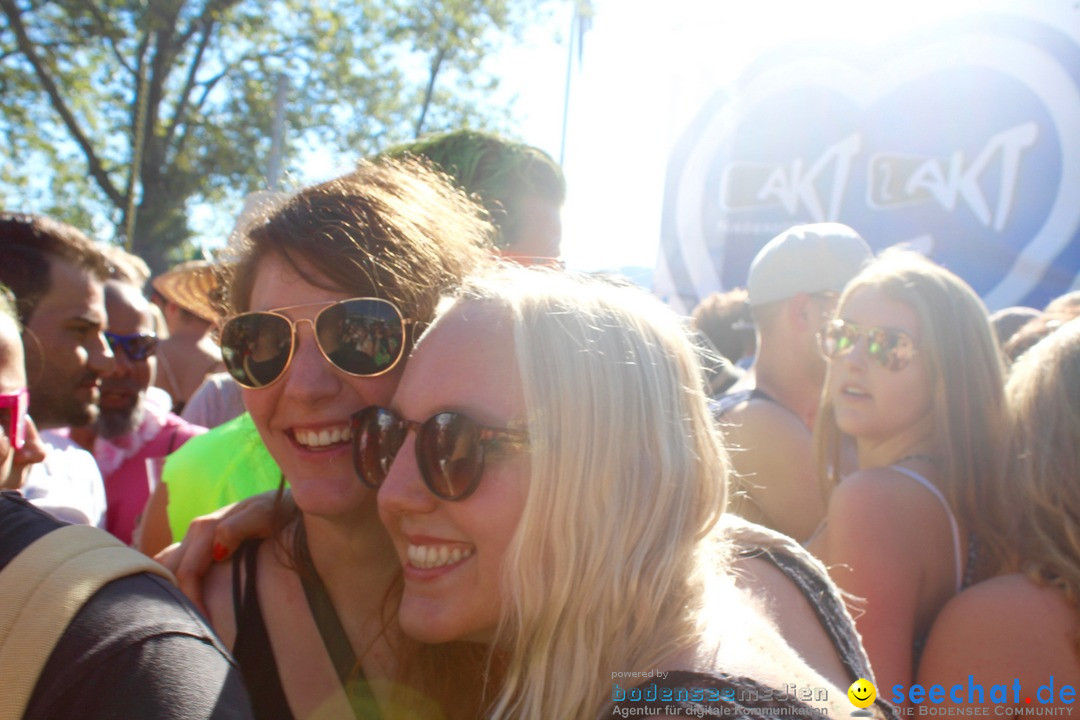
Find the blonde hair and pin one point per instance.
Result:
(965, 370)
(606, 568)
(1043, 393)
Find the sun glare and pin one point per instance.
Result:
(646, 73)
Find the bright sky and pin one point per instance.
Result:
(644, 72)
(643, 75)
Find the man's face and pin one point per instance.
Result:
(66, 352)
(123, 392)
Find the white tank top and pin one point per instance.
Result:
(948, 511)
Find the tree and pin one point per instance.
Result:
(128, 113)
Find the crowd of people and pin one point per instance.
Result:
(472, 484)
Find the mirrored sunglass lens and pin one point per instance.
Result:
(256, 348)
(362, 337)
(901, 351)
(449, 453)
(832, 339)
(881, 345)
(842, 337)
(136, 347)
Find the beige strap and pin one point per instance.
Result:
(42, 589)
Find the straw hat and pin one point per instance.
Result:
(194, 286)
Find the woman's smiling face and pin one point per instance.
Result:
(303, 418)
(452, 551)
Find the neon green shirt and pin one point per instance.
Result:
(226, 465)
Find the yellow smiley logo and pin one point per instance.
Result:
(861, 693)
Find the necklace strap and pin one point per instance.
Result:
(331, 630)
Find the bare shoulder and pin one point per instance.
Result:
(776, 480)
(1010, 604)
(756, 416)
(873, 524)
(1003, 628)
(873, 494)
(882, 494)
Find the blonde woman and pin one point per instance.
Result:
(915, 385)
(551, 477)
(1024, 626)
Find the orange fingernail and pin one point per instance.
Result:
(220, 552)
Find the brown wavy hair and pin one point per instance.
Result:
(966, 374)
(392, 229)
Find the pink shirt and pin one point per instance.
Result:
(127, 488)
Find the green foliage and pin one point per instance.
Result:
(109, 106)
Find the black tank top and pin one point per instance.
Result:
(252, 648)
(255, 654)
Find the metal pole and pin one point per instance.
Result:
(566, 93)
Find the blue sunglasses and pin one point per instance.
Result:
(138, 346)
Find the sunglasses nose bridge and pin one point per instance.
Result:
(299, 340)
(297, 323)
(320, 342)
(308, 375)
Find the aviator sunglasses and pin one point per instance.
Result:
(363, 337)
(137, 346)
(13, 408)
(449, 448)
(892, 349)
